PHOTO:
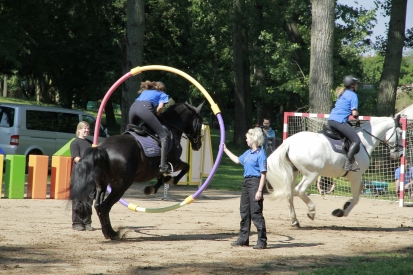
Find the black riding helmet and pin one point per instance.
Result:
(349, 79)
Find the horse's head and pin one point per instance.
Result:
(193, 131)
(394, 139)
(186, 119)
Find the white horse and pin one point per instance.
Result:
(311, 154)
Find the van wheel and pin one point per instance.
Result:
(34, 152)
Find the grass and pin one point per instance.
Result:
(399, 263)
(229, 175)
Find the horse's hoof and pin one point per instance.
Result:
(149, 190)
(338, 213)
(311, 216)
(295, 224)
(166, 179)
(346, 205)
(115, 238)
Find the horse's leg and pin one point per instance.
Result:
(301, 188)
(150, 190)
(293, 216)
(179, 165)
(103, 209)
(356, 187)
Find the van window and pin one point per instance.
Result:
(6, 117)
(39, 120)
(92, 122)
(67, 123)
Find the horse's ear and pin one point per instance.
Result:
(198, 109)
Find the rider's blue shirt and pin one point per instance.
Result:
(154, 96)
(254, 162)
(347, 102)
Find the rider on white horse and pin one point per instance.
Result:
(346, 105)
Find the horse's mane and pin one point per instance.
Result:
(173, 111)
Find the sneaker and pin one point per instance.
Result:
(88, 227)
(240, 243)
(260, 246)
(78, 227)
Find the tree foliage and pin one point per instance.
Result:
(71, 51)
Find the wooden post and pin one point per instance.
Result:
(37, 177)
(60, 181)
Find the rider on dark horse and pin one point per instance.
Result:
(147, 107)
(346, 105)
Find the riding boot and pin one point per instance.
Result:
(164, 167)
(354, 148)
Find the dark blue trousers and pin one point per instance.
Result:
(251, 210)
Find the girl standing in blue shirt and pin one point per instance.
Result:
(346, 105)
(251, 204)
(147, 107)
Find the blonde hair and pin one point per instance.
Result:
(256, 136)
(148, 85)
(339, 91)
(80, 126)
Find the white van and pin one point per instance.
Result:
(40, 130)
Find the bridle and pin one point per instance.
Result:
(386, 143)
(191, 138)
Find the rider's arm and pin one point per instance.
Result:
(355, 113)
(159, 108)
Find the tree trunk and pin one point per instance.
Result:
(389, 79)
(5, 86)
(135, 28)
(241, 76)
(321, 60)
(110, 114)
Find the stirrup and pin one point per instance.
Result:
(349, 167)
(168, 168)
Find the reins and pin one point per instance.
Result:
(385, 142)
(188, 136)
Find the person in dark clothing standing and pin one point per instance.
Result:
(81, 218)
(147, 107)
(251, 204)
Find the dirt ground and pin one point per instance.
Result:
(36, 236)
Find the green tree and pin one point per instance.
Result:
(392, 61)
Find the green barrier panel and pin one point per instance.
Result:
(15, 175)
(65, 150)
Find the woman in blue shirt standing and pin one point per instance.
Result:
(147, 107)
(346, 105)
(251, 204)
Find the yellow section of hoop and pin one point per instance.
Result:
(132, 207)
(189, 200)
(139, 70)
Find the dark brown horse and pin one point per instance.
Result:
(120, 161)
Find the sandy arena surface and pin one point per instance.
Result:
(36, 236)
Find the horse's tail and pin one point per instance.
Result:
(91, 169)
(280, 172)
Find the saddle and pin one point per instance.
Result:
(339, 143)
(142, 130)
(149, 140)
